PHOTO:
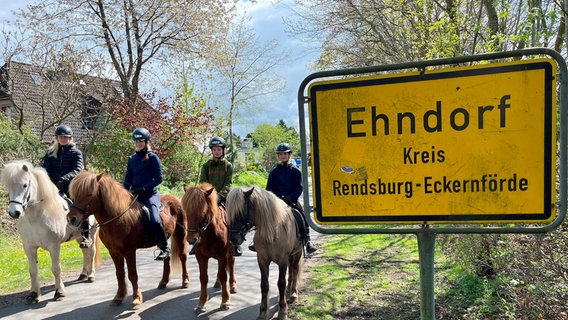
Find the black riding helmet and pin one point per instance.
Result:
(283, 147)
(63, 130)
(140, 134)
(217, 142)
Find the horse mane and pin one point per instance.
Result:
(268, 211)
(195, 199)
(116, 199)
(46, 191)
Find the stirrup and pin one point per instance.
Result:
(163, 255)
(85, 243)
(251, 247)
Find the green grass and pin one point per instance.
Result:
(14, 272)
(353, 272)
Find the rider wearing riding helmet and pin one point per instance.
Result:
(63, 161)
(218, 171)
(285, 181)
(143, 175)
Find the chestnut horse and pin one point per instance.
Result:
(40, 211)
(122, 229)
(276, 240)
(208, 232)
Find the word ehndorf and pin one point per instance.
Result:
(458, 119)
(487, 183)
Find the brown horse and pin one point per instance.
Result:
(276, 240)
(208, 232)
(122, 229)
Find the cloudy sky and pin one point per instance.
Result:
(267, 21)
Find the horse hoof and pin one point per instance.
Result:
(136, 302)
(225, 306)
(234, 289)
(162, 285)
(58, 296)
(91, 279)
(282, 316)
(293, 298)
(82, 277)
(185, 284)
(200, 309)
(116, 302)
(32, 298)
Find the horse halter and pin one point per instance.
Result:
(204, 224)
(244, 225)
(25, 203)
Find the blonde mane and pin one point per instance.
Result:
(268, 211)
(116, 199)
(40, 186)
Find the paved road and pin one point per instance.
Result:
(85, 301)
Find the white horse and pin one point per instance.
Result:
(41, 213)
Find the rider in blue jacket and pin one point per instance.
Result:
(143, 175)
(285, 181)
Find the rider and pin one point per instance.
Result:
(285, 181)
(219, 172)
(63, 161)
(143, 175)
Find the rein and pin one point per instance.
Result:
(87, 213)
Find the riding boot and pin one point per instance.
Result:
(310, 248)
(86, 241)
(163, 244)
(238, 251)
(251, 247)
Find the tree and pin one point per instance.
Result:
(267, 137)
(371, 32)
(135, 34)
(246, 68)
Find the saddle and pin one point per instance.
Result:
(149, 235)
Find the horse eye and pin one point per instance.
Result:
(25, 186)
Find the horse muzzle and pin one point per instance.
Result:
(15, 210)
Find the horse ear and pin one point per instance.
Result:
(249, 192)
(210, 191)
(99, 176)
(185, 187)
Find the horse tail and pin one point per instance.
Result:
(178, 247)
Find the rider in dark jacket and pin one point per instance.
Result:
(63, 161)
(143, 175)
(285, 181)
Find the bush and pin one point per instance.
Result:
(18, 144)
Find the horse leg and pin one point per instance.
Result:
(183, 259)
(165, 274)
(203, 279)
(222, 277)
(283, 306)
(294, 273)
(120, 278)
(35, 291)
(133, 277)
(264, 286)
(231, 271)
(54, 253)
(89, 258)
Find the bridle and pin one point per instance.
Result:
(202, 227)
(243, 221)
(86, 213)
(25, 203)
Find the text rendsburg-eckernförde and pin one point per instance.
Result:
(459, 120)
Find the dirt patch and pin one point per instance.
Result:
(8, 225)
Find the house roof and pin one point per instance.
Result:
(47, 97)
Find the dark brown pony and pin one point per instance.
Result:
(208, 232)
(122, 230)
(275, 239)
